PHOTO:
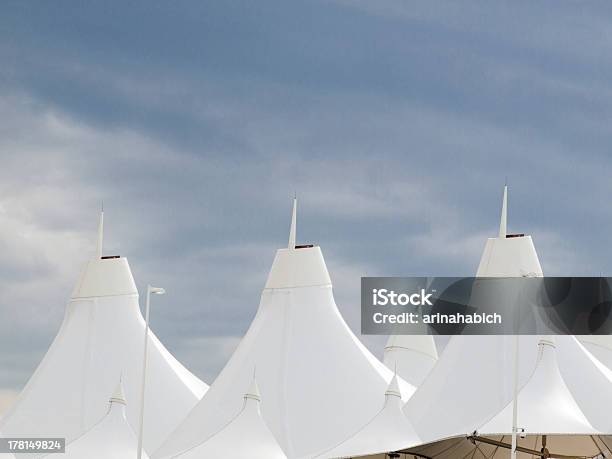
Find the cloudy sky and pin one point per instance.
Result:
(396, 122)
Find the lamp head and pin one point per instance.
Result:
(156, 290)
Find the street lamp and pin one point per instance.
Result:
(155, 291)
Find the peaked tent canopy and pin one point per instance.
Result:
(100, 339)
(413, 355)
(554, 405)
(554, 411)
(319, 382)
(389, 430)
(554, 398)
(245, 437)
(111, 437)
(508, 255)
(481, 365)
(546, 403)
(472, 381)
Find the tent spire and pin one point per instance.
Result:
(100, 234)
(253, 392)
(393, 387)
(292, 231)
(118, 396)
(504, 214)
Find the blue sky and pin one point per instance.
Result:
(395, 122)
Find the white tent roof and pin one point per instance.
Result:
(509, 257)
(559, 405)
(246, 436)
(100, 339)
(480, 369)
(112, 436)
(554, 404)
(319, 382)
(472, 381)
(556, 401)
(477, 364)
(554, 398)
(413, 355)
(389, 430)
(503, 256)
(545, 402)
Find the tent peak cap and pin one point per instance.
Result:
(103, 277)
(393, 389)
(118, 397)
(299, 267)
(547, 342)
(253, 392)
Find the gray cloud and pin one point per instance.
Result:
(396, 124)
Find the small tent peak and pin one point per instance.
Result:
(118, 396)
(253, 392)
(547, 342)
(99, 245)
(393, 388)
(503, 223)
(546, 350)
(293, 228)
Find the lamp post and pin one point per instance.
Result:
(515, 398)
(155, 291)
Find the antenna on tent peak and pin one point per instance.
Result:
(503, 223)
(293, 229)
(100, 233)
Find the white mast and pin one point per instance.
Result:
(292, 231)
(100, 234)
(504, 215)
(502, 235)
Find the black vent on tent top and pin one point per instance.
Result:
(304, 246)
(108, 257)
(508, 236)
